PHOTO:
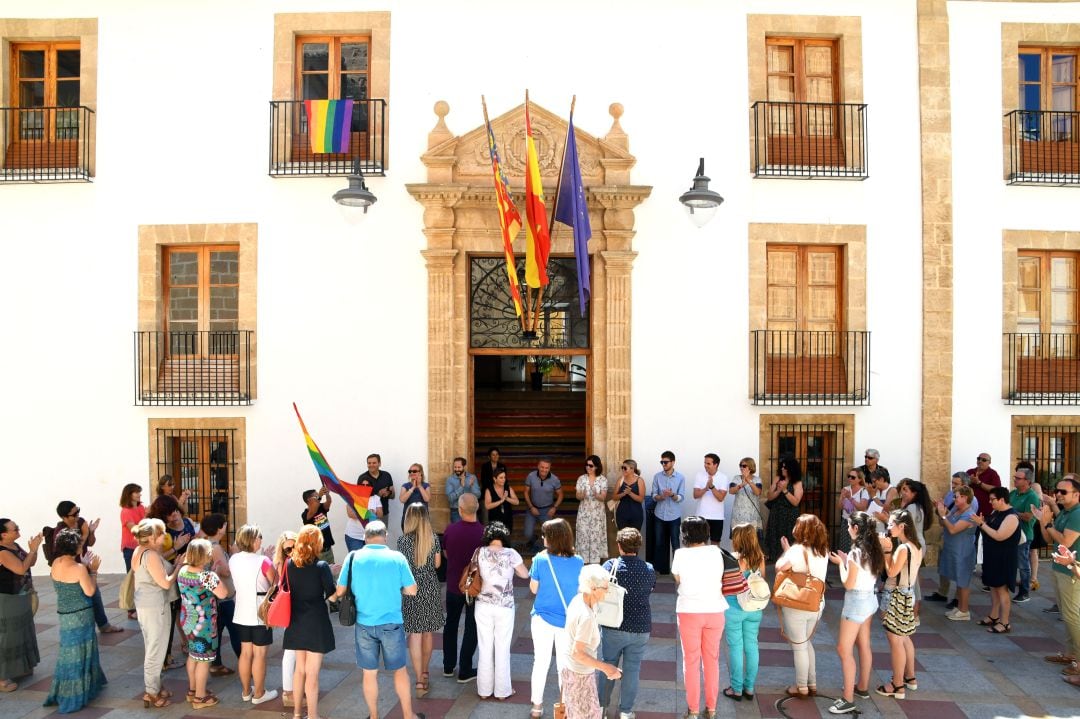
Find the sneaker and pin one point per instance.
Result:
(1021, 598)
(951, 604)
(466, 678)
(957, 616)
(627, 715)
(268, 696)
(448, 672)
(862, 693)
(1052, 610)
(841, 707)
(936, 597)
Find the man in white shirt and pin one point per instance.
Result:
(710, 489)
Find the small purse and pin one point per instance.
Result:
(347, 603)
(609, 611)
(471, 583)
(279, 611)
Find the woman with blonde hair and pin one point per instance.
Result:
(155, 582)
(253, 574)
(283, 549)
(854, 497)
(809, 554)
(309, 632)
(741, 626)
(200, 588)
(746, 489)
(630, 495)
(423, 611)
(415, 491)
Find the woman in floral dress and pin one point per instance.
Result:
(423, 611)
(591, 530)
(200, 589)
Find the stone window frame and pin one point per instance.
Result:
(376, 25)
(151, 306)
(765, 437)
(846, 30)
(1012, 243)
(1015, 35)
(1018, 421)
(82, 30)
(237, 424)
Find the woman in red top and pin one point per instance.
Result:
(132, 512)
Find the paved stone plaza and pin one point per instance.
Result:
(963, 671)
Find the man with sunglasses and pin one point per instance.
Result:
(871, 468)
(982, 478)
(1064, 530)
(667, 491)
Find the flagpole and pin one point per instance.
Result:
(527, 328)
(555, 205)
(487, 123)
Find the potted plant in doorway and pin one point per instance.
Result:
(542, 367)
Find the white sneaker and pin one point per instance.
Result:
(245, 697)
(627, 715)
(268, 696)
(957, 616)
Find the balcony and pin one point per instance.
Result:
(1042, 368)
(1043, 148)
(45, 144)
(806, 367)
(196, 368)
(809, 140)
(291, 153)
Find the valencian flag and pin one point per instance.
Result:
(328, 124)
(537, 239)
(570, 209)
(356, 495)
(509, 219)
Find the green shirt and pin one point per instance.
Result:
(1023, 502)
(1067, 519)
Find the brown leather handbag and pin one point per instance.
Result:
(798, 590)
(471, 583)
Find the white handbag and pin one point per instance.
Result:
(609, 611)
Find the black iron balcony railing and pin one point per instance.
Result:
(45, 144)
(1043, 147)
(1042, 368)
(806, 367)
(193, 368)
(809, 139)
(290, 143)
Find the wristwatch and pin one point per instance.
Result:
(1048, 525)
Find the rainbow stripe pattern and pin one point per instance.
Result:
(357, 496)
(328, 124)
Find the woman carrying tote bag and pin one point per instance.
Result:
(809, 555)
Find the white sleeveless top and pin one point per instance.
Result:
(251, 585)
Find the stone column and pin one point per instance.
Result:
(617, 291)
(441, 375)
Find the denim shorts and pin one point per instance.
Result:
(385, 639)
(859, 604)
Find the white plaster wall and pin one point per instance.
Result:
(342, 309)
(984, 206)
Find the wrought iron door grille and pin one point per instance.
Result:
(493, 323)
(820, 450)
(1053, 451)
(204, 462)
(1042, 368)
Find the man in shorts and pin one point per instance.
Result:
(380, 576)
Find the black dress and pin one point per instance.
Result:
(309, 629)
(999, 557)
(503, 513)
(629, 513)
(782, 517)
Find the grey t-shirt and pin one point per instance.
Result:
(542, 493)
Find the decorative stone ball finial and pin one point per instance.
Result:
(442, 109)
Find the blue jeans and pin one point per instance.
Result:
(667, 535)
(385, 639)
(128, 554)
(741, 632)
(352, 544)
(1023, 563)
(631, 647)
(100, 617)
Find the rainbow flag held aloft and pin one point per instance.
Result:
(328, 124)
(356, 495)
(537, 239)
(509, 219)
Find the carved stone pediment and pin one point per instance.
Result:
(603, 161)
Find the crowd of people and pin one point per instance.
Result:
(189, 581)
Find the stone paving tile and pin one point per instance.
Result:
(915, 709)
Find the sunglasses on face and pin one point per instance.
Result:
(414, 471)
(75, 513)
(982, 459)
(744, 466)
(1061, 491)
(287, 550)
(665, 461)
(625, 468)
(589, 464)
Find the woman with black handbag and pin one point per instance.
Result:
(808, 556)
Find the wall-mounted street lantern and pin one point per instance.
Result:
(700, 201)
(355, 199)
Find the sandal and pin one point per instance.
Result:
(732, 694)
(421, 689)
(221, 671)
(110, 629)
(800, 692)
(911, 683)
(165, 693)
(156, 701)
(536, 712)
(191, 695)
(1059, 658)
(8, 686)
(812, 691)
(203, 702)
(988, 621)
(1071, 671)
(1000, 628)
(892, 691)
(749, 696)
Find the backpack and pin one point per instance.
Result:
(757, 593)
(48, 542)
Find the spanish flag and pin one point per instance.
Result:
(537, 239)
(509, 219)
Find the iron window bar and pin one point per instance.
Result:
(196, 368)
(809, 140)
(1042, 368)
(810, 367)
(290, 148)
(45, 144)
(1044, 147)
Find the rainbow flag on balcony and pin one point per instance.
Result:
(328, 124)
(356, 495)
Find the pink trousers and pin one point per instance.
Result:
(700, 635)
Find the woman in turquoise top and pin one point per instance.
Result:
(78, 677)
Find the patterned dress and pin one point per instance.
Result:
(198, 613)
(18, 638)
(78, 677)
(424, 611)
(590, 536)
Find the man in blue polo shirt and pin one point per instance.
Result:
(379, 576)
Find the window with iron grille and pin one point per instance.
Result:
(820, 451)
(1053, 451)
(204, 462)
